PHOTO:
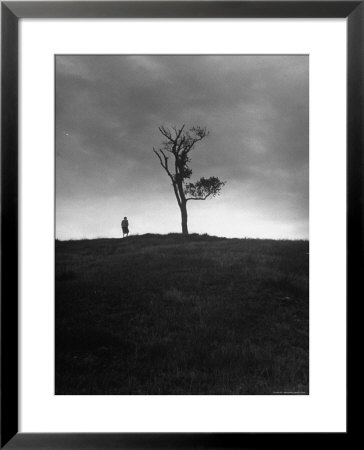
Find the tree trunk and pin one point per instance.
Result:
(184, 217)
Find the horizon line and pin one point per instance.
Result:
(182, 235)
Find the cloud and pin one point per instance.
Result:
(108, 109)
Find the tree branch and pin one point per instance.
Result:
(201, 198)
(166, 133)
(178, 134)
(160, 159)
(189, 147)
(165, 167)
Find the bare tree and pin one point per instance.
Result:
(177, 146)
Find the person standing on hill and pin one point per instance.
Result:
(125, 227)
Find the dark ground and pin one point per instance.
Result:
(169, 314)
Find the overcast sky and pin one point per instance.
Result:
(108, 109)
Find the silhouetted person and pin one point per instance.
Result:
(125, 227)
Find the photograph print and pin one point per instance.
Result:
(182, 225)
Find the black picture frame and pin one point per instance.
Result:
(11, 12)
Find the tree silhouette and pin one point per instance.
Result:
(178, 144)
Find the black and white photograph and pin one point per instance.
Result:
(182, 224)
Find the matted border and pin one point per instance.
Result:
(11, 13)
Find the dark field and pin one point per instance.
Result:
(169, 314)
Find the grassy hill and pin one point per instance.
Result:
(167, 314)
